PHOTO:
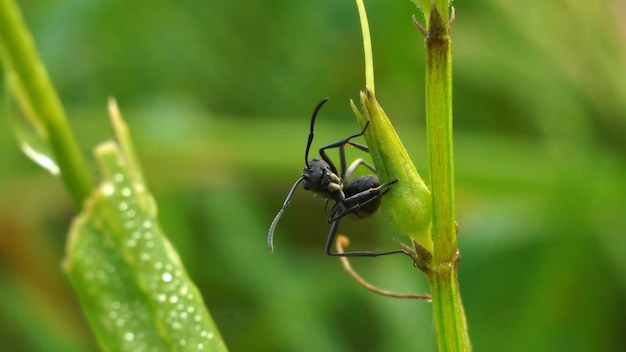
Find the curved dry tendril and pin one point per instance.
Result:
(343, 241)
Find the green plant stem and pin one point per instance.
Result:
(367, 47)
(19, 55)
(448, 311)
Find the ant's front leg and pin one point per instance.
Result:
(342, 154)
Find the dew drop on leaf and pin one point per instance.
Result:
(30, 133)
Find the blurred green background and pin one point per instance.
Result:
(218, 95)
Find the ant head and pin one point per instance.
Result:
(318, 177)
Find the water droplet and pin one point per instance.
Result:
(173, 299)
(118, 177)
(167, 277)
(123, 206)
(161, 297)
(108, 189)
(126, 192)
(30, 133)
(38, 156)
(129, 336)
(184, 290)
(130, 224)
(110, 268)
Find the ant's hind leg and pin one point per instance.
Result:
(331, 238)
(360, 200)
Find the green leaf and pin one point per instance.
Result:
(424, 6)
(42, 128)
(129, 279)
(408, 205)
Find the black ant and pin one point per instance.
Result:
(357, 198)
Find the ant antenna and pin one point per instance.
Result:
(270, 235)
(308, 144)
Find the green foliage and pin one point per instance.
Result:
(39, 105)
(408, 207)
(131, 283)
(129, 279)
(540, 137)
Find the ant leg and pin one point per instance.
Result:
(331, 239)
(369, 191)
(358, 162)
(347, 141)
(342, 156)
(341, 145)
(370, 195)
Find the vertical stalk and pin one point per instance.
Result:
(367, 46)
(19, 55)
(448, 311)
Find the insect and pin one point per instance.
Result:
(357, 198)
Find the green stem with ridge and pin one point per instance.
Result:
(36, 92)
(448, 310)
(436, 252)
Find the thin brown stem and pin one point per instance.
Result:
(344, 241)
